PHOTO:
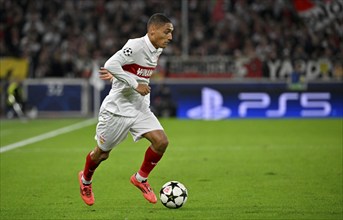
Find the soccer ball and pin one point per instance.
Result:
(173, 195)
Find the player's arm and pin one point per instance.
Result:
(104, 74)
(114, 66)
(142, 89)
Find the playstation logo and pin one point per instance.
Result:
(211, 107)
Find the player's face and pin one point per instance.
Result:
(163, 35)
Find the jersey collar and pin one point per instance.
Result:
(148, 42)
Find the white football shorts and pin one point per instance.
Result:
(112, 129)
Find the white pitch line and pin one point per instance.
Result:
(47, 135)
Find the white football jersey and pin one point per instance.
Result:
(133, 64)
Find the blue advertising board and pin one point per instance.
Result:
(55, 97)
(257, 100)
(209, 101)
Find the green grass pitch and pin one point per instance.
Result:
(233, 169)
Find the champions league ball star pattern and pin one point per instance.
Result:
(173, 195)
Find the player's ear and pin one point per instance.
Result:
(152, 29)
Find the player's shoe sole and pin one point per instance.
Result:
(86, 191)
(147, 191)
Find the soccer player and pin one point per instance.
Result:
(126, 108)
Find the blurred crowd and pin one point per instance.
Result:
(63, 38)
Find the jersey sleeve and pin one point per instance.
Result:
(121, 58)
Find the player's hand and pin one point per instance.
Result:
(143, 89)
(104, 74)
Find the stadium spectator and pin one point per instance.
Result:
(61, 42)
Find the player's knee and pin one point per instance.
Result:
(104, 156)
(161, 145)
(99, 155)
(164, 143)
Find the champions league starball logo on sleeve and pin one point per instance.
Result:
(127, 51)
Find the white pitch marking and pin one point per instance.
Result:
(47, 135)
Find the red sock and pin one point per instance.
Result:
(151, 159)
(90, 167)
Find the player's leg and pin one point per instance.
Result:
(154, 152)
(93, 160)
(149, 128)
(111, 130)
